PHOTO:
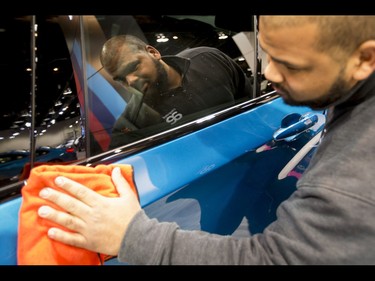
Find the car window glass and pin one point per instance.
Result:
(78, 103)
(56, 119)
(117, 114)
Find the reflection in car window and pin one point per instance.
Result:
(167, 88)
(57, 112)
(193, 47)
(80, 107)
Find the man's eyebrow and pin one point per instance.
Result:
(287, 64)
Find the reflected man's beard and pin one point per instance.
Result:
(339, 89)
(159, 86)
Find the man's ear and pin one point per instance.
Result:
(153, 51)
(366, 60)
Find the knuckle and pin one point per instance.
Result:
(70, 222)
(81, 193)
(70, 206)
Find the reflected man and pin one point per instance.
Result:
(167, 88)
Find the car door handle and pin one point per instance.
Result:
(293, 125)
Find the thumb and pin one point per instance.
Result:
(121, 184)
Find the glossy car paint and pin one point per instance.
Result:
(222, 178)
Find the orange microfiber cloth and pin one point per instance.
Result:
(34, 247)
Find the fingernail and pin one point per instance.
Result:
(44, 193)
(43, 211)
(59, 181)
(51, 233)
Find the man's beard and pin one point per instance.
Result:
(338, 90)
(160, 85)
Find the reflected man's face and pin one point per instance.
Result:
(144, 71)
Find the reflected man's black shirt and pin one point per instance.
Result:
(209, 78)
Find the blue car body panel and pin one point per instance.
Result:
(8, 231)
(216, 179)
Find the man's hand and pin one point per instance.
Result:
(98, 223)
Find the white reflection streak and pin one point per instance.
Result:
(209, 117)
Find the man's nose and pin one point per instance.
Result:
(131, 80)
(272, 74)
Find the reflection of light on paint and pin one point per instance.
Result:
(294, 174)
(263, 148)
(186, 212)
(209, 117)
(206, 169)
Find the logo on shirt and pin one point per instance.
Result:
(172, 117)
